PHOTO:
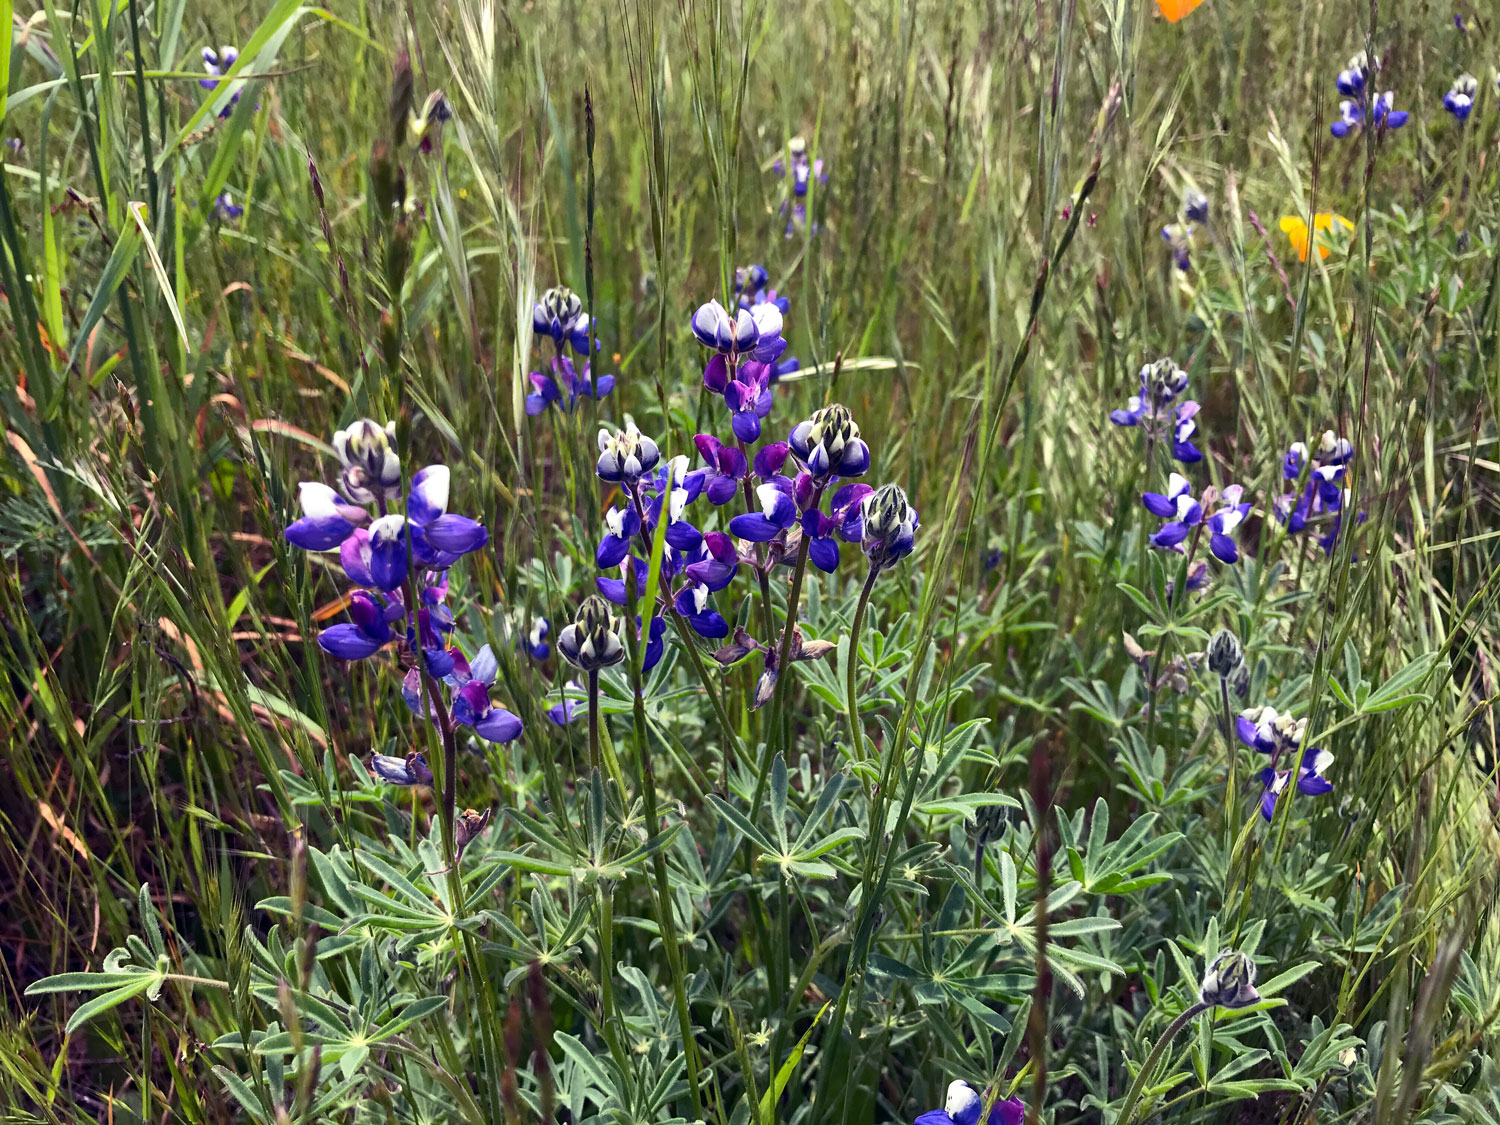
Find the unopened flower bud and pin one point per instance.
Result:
(1230, 981)
(1163, 380)
(626, 455)
(889, 524)
(558, 313)
(828, 444)
(372, 469)
(1224, 654)
(591, 642)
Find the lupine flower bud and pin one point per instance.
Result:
(1163, 380)
(371, 467)
(626, 455)
(1224, 654)
(469, 824)
(889, 525)
(557, 313)
(828, 444)
(590, 642)
(1230, 982)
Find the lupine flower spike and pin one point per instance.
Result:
(1152, 410)
(963, 1105)
(828, 444)
(626, 455)
(1354, 81)
(216, 64)
(888, 526)
(560, 317)
(1459, 100)
(1324, 494)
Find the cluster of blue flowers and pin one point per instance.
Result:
(963, 1105)
(1179, 235)
(1275, 735)
(1321, 499)
(399, 563)
(1361, 103)
(801, 170)
(1152, 410)
(560, 317)
(783, 485)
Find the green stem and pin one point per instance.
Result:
(1127, 1113)
(851, 671)
(594, 719)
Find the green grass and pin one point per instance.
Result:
(1016, 869)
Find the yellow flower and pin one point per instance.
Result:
(1295, 229)
(1174, 10)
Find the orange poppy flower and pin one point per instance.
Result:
(1174, 10)
(1295, 229)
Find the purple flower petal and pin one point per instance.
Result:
(349, 642)
(499, 725)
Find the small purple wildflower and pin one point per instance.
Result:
(1459, 100)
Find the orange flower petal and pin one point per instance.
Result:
(1174, 10)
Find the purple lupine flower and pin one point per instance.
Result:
(1223, 523)
(561, 714)
(615, 591)
(471, 702)
(1324, 494)
(368, 632)
(963, 1106)
(1353, 78)
(226, 208)
(626, 455)
(1194, 206)
(694, 603)
(621, 526)
(1178, 507)
(778, 512)
(1384, 113)
(746, 389)
(328, 520)
(751, 287)
(750, 333)
(842, 521)
(727, 467)
(1310, 779)
(716, 564)
(1459, 100)
(1349, 119)
(565, 386)
(1268, 731)
(828, 445)
(439, 538)
(1161, 382)
(408, 771)
(216, 64)
(535, 639)
(887, 526)
(560, 315)
(1179, 239)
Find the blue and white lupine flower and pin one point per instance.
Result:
(408, 771)
(535, 641)
(1459, 100)
(561, 714)
(471, 702)
(1384, 113)
(1353, 78)
(1195, 206)
(1225, 521)
(778, 512)
(560, 316)
(1161, 383)
(439, 538)
(327, 518)
(716, 563)
(1324, 494)
(216, 64)
(696, 606)
(626, 455)
(621, 525)
(565, 386)
(828, 444)
(963, 1105)
(1178, 507)
(226, 208)
(1349, 119)
(751, 289)
(368, 632)
(1310, 779)
(749, 333)
(1269, 731)
(842, 521)
(1179, 239)
(727, 467)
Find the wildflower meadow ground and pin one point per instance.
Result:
(880, 562)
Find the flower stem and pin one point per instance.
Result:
(788, 627)
(1127, 1113)
(594, 719)
(851, 672)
